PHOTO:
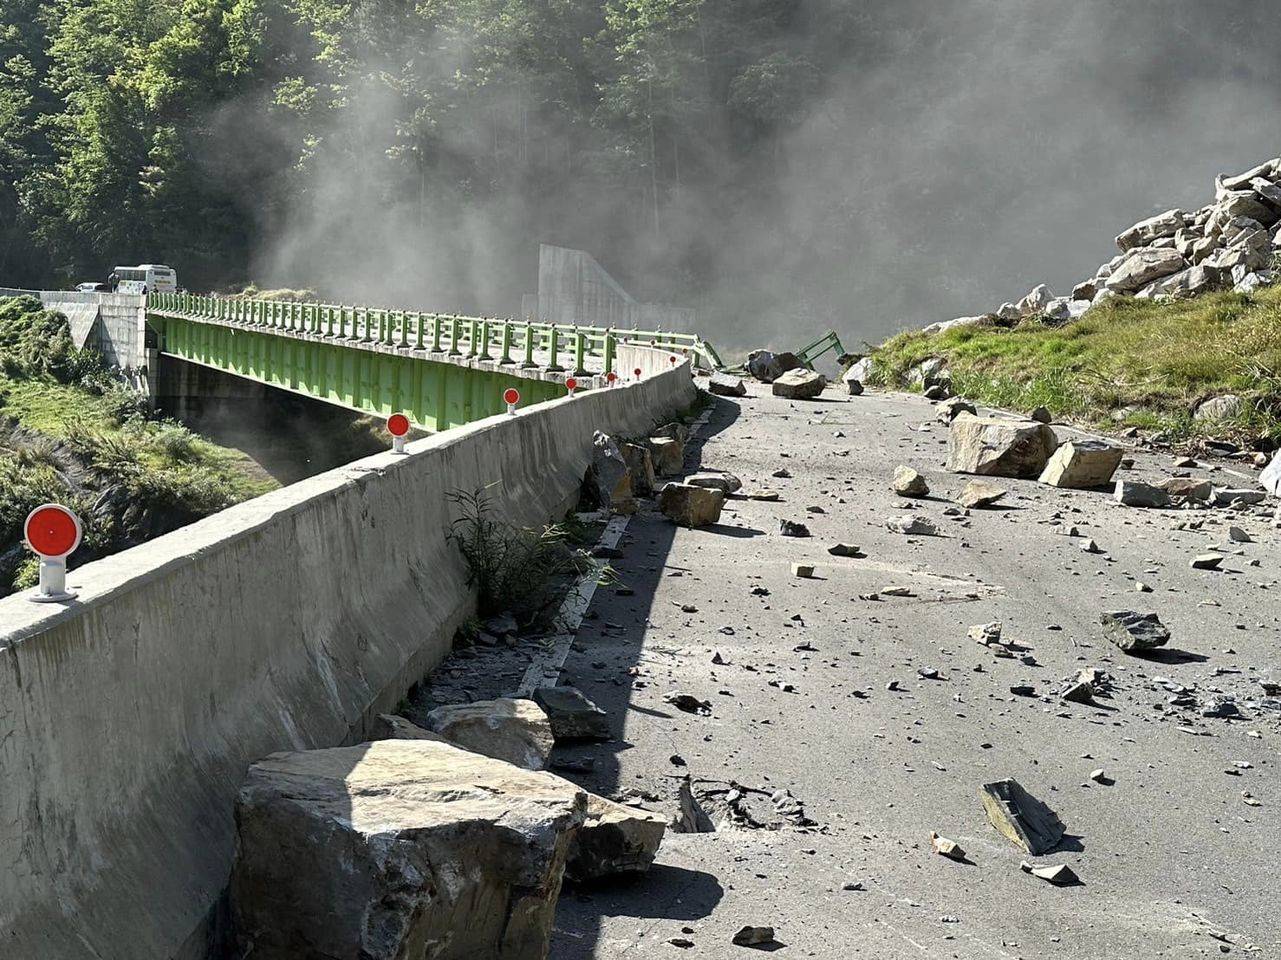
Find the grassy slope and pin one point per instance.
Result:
(1126, 362)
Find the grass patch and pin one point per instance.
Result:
(1126, 362)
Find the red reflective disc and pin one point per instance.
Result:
(511, 395)
(673, 359)
(398, 424)
(52, 531)
(571, 384)
(611, 376)
(636, 372)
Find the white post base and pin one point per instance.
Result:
(398, 445)
(53, 583)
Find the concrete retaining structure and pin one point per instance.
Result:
(128, 717)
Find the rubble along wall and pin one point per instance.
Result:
(128, 717)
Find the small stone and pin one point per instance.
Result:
(1078, 691)
(688, 703)
(793, 528)
(725, 385)
(978, 494)
(1142, 587)
(1089, 546)
(1206, 561)
(1237, 535)
(803, 570)
(1059, 874)
(1021, 818)
(912, 525)
(909, 483)
(844, 550)
(945, 847)
(1132, 631)
(753, 936)
(1135, 493)
(1040, 415)
(1099, 776)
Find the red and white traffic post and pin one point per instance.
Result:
(398, 427)
(571, 385)
(511, 397)
(52, 532)
(611, 378)
(637, 374)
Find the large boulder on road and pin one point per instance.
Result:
(400, 848)
(517, 731)
(1081, 464)
(767, 366)
(689, 505)
(799, 385)
(999, 448)
(726, 385)
(615, 839)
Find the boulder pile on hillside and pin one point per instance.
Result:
(1231, 243)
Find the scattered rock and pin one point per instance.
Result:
(754, 936)
(844, 550)
(1238, 535)
(978, 494)
(1206, 561)
(688, 703)
(572, 715)
(667, 454)
(726, 483)
(1081, 464)
(688, 505)
(609, 477)
(1078, 691)
(1270, 478)
(690, 816)
(945, 847)
(951, 408)
(1132, 631)
(803, 570)
(640, 464)
(768, 367)
(1021, 818)
(1059, 874)
(799, 385)
(340, 852)
(909, 483)
(1186, 488)
(1225, 407)
(725, 385)
(793, 528)
(517, 731)
(1226, 496)
(1040, 415)
(1143, 266)
(912, 525)
(994, 447)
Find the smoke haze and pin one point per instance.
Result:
(947, 157)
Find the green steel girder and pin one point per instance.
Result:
(435, 395)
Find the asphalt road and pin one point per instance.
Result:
(1173, 861)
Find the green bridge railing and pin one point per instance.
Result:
(504, 341)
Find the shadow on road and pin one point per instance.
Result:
(610, 643)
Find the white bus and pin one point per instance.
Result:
(145, 278)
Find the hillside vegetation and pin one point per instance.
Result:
(71, 433)
(1126, 362)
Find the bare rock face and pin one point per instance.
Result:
(690, 505)
(999, 448)
(668, 454)
(799, 384)
(725, 385)
(398, 849)
(615, 839)
(1081, 464)
(517, 731)
(1143, 266)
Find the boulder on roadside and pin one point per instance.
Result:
(689, 505)
(339, 853)
(667, 455)
(768, 366)
(608, 481)
(614, 839)
(1187, 488)
(726, 385)
(951, 408)
(516, 731)
(389, 726)
(726, 483)
(860, 370)
(1225, 407)
(853, 383)
(800, 384)
(1132, 631)
(571, 715)
(1081, 464)
(1001, 448)
(1136, 493)
(909, 483)
(640, 464)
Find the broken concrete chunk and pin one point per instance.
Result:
(1000, 448)
(517, 731)
(799, 384)
(1135, 493)
(572, 715)
(1021, 818)
(690, 506)
(725, 385)
(340, 853)
(1081, 464)
(1132, 631)
(978, 494)
(909, 483)
(912, 525)
(614, 839)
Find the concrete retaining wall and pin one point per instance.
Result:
(128, 717)
(111, 323)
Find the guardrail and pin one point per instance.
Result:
(505, 341)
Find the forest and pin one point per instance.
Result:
(205, 132)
